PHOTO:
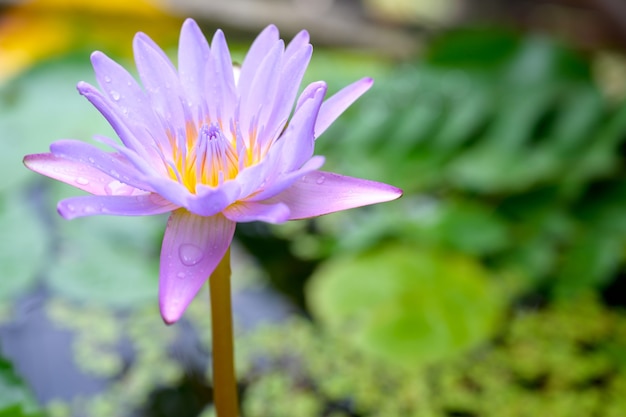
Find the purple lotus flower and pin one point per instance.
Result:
(210, 144)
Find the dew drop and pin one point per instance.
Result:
(320, 180)
(107, 79)
(115, 95)
(181, 275)
(71, 208)
(190, 254)
(82, 181)
(91, 160)
(117, 188)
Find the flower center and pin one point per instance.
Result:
(206, 157)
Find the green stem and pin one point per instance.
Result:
(224, 381)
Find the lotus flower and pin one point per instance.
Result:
(212, 145)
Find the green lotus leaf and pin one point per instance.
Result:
(407, 304)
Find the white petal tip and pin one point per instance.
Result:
(171, 314)
(394, 193)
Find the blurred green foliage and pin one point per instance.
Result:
(16, 400)
(407, 305)
(564, 361)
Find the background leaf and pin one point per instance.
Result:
(406, 304)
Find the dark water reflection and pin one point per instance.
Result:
(42, 354)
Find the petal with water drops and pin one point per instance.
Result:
(77, 174)
(319, 193)
(160, 79)
(192, 247)
(111, 164)
(115, 205)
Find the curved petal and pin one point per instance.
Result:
(255, 177)
(93, 205)
(293, 69)
(118, 123)
(133, 158)
(192, 247)
(289, 152)
(257, 52)
(77, 174)
(257, 102)
(339, 102)
(319, 193)
(220, 94)
(209, 200)
(298, 141)
(284, 181)
(130, 103)
(124, 92)
(193, 53)
(108, 163)
(297, 42)
(308, 92)
(170, 190)
(160, 79)
(242, 212)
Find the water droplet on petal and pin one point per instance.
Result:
(115, 95)
(190, 254)
(181, 275)
(117, 188)
(82, 181)
(320, 180)
(107, 79)
(71, 208)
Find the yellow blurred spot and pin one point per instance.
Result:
(42, 29)
(409, 11)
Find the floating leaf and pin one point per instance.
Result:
(406, 304)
